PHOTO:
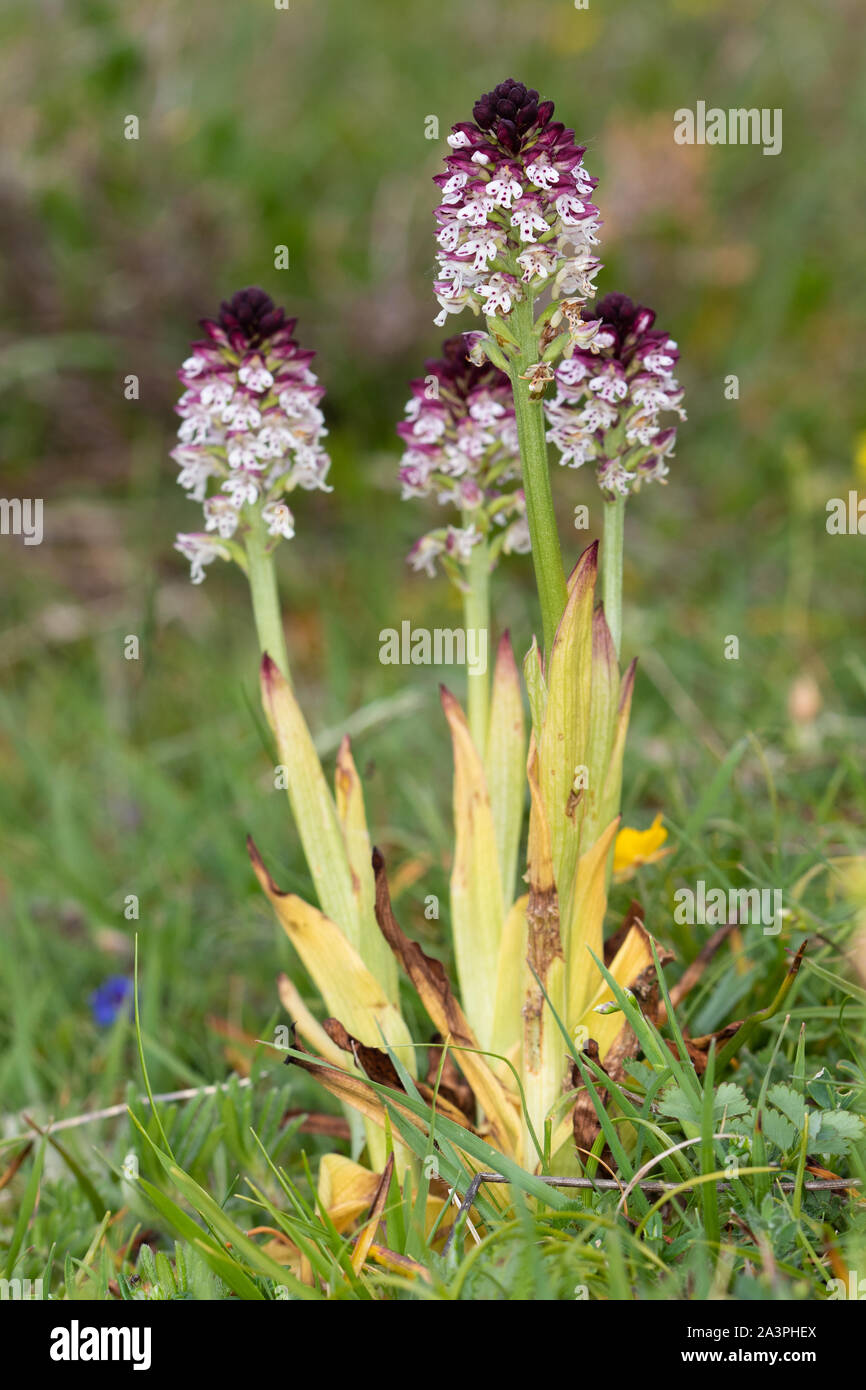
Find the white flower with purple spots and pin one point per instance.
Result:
(461, 451)
(621, 387)
(514, 177)
(251, 429)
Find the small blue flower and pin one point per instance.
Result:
(108, 1001)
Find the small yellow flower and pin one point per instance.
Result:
(860, 453)
(636, 847)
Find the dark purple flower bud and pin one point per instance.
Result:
(510, 111)
(253, 314)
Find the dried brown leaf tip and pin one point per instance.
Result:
(371, 1060)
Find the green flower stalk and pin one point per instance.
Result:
(262, 576)
(613, 538)
(462, 451)
(541, 518)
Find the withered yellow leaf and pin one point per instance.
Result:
(477, 910)
(350, 991)
(504, 764)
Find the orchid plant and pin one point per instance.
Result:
(516, 231)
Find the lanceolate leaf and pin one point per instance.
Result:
(505, 764)
(348, 988)
(543, 1043)
(378, 1066)
(345, 1188)
(477, 911)
(536, 687)
(311, 802)
(512, 981)
(563, 742)
(353, 823)
(585, 929)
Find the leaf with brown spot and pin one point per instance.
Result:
(544, 1047)
(377, 1065)
(353, 824)
(585, 931)
(349, 989)
(371, 1060)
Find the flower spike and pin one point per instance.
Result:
(515, 211)
(251, 428)
(461, 448)
(608, 401)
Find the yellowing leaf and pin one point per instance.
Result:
(504, 764)
(563, 742)
(346, 1189)
(536, 687)
(512, 982)
(632, 958)
(365, 1239)
(351, 993)
(585, 930)
(477, 911)
(308, 1027)
(311, 802)
(353, 823)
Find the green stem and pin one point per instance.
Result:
(266, 600)
(476, 618)
(546, 554)
(611, 567)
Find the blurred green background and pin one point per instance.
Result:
(306, 128)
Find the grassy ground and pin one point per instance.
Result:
(143, 777)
